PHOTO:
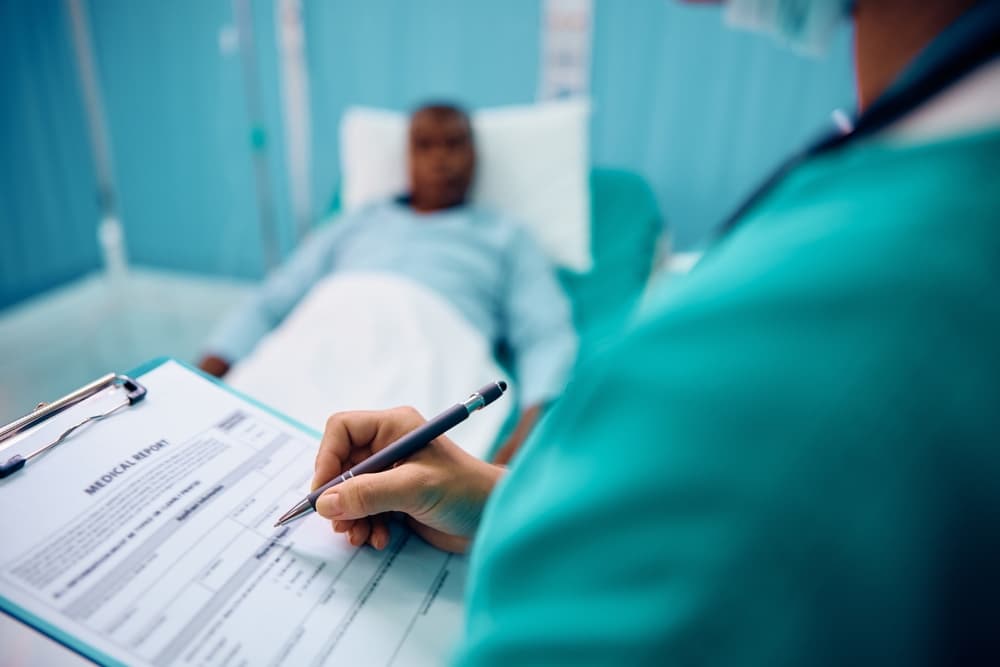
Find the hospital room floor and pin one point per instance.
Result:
(71, 335)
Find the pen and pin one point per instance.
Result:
(406, 446)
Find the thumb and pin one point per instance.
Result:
(393, 490)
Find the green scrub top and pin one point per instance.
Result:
(793, 458)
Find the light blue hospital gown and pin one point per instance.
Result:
(488, 267)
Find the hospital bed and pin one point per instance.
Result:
(625, 229)
(625, 232)
(532, 165)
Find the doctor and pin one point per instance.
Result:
(794, 458)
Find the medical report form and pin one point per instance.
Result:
(147, 538)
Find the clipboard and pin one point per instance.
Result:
(444, 574)
(133, 392)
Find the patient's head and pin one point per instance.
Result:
(442, 157)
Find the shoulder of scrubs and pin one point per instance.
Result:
(271, 302)
(538, 323)
(792, 459)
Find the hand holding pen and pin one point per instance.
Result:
(440, 487)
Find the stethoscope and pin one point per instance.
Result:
(973, 40)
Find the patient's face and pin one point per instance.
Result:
(442, 159)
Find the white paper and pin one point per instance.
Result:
(149, 538)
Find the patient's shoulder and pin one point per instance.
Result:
(513, 232)
(367, 215)
(490, 217)
(380, 208)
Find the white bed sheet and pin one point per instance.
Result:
(367, 341)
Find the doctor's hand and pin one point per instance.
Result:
(441, 489)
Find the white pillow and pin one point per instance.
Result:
(532, 165)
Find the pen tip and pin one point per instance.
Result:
(503, 385)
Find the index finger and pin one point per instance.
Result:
(349, 436)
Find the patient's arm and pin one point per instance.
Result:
(239, 332)
(539, 332)
(529, 417)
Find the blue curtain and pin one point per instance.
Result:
(180, 134)
(48, 187)
(702, 111)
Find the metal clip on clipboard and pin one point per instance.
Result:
(132, 393)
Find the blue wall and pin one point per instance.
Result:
(180, 134)
(48, 188)
(701, 111)
(704, 112)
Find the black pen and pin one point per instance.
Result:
(404, 447)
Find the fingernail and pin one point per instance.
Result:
(329, 505)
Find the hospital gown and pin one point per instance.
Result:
(484, 264)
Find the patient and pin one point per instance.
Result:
(485, 266)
